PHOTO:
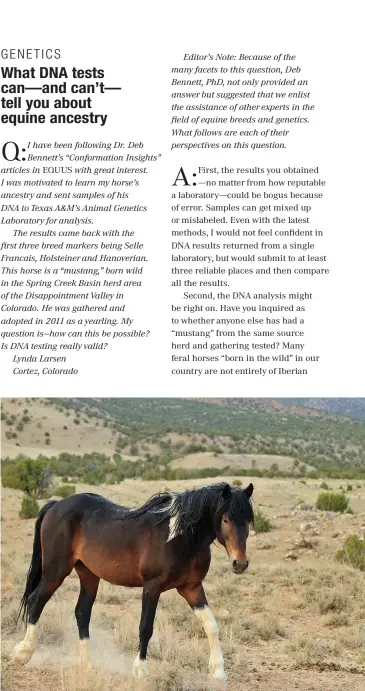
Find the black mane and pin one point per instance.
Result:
(197, 512)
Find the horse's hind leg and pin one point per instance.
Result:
(150, 597)
(89, 584)
(57, 564)
(24, 650)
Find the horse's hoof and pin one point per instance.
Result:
(140, 670)
(22, 653)
(217, 672)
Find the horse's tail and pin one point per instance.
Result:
(35, 569)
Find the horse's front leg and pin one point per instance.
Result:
(195, 597)
(150, 597)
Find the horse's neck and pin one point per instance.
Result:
(204, 534)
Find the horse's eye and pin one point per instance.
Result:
(225, 520)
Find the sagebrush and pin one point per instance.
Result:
(332, 501)
(64, 491)
(262, 523)
(353, 552)
(29, 507)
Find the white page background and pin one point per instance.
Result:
(137, 45)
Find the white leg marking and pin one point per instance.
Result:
(140, 670)
(216, 662)
(84, 652)
(24, 650)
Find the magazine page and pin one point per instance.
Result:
(182, 421)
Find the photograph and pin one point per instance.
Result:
(123, 518)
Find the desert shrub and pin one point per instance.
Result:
(262, 523)
(337, 619)
(352, 552)
(32, 476)
(236, 483)
(349, 488)
(332, 501)
(214, 448)
(324, 485)
(29, 508)
(195, 448)
(64, 491)
(93, 477)
(332, 601)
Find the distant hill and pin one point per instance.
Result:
(36, 426)
(349, 407)
(289, 431)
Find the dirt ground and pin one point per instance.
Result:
(294, 620)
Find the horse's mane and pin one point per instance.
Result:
(195, 510)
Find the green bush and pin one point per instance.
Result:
(352, 552)
(324, 485)
(262, 523)
(29, 508)
(32, 476)
(332, 501)
(349, 488)
(236, 483)
(64, 491)
(93, 477)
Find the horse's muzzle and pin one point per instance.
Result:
(239, 567)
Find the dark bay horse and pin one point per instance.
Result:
(162, 545)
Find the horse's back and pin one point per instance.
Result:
(86, 502)
(73, 514)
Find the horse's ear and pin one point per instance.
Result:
(248, 491)
(226, 491)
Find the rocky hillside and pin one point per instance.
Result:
(174, 429)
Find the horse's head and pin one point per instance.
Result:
(233, 527)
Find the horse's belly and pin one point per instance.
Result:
(122, 569)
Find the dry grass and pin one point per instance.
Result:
(283, 625)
